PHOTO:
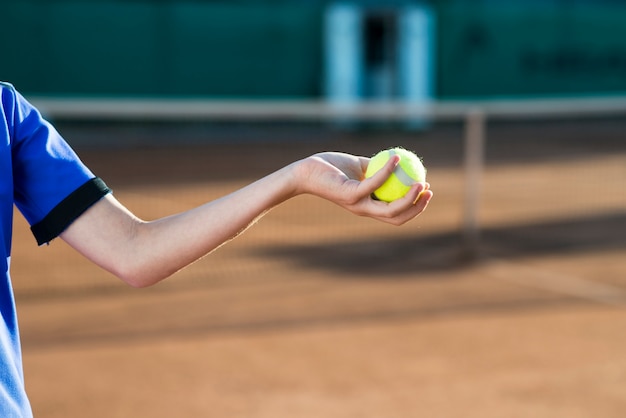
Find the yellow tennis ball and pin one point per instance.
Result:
(409, 171)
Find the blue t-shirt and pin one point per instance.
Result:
(43, 177)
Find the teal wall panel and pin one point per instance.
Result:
(223, 50)
(161, 48)
(529, 51)
(102, 48)
(274, 48)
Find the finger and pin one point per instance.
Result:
(403, 210)
(404, 205)
(425, 193)
(412, 195)
(423, 199)
(377, 180)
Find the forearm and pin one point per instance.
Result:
(171, 243)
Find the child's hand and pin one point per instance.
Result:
(339, 178)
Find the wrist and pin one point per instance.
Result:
(296, 175)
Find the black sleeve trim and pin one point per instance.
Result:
(70, 208)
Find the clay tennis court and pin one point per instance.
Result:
(317, 313)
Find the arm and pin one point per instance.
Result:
(142, 253)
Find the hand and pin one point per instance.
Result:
(340, 178)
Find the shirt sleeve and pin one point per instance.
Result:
(52, 186)
(70, 208)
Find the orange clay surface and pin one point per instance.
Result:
(317, 313)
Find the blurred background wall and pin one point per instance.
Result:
(284, 48)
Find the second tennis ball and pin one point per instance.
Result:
(409, 171)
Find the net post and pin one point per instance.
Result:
(475, 129)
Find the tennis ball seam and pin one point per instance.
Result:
(401, 174)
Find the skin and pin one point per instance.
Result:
(142, 253)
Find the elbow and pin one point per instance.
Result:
(140, 264)
(140, 277)
(137, 282)
(140, 270)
